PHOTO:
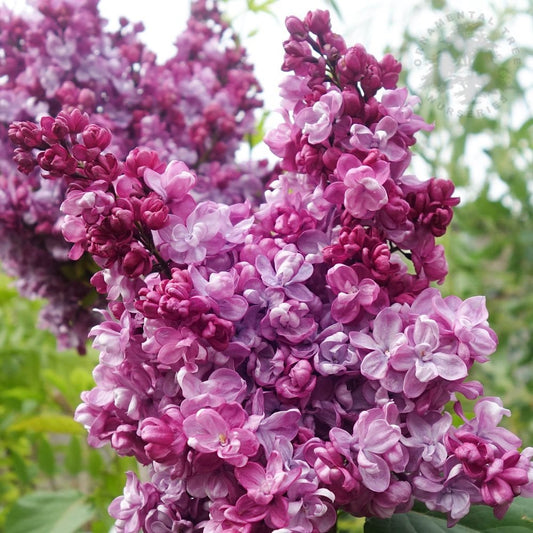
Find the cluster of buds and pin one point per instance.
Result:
(273, 365)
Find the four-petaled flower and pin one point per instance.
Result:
(423, 359)
(210, 431)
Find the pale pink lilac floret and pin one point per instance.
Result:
(273, 365)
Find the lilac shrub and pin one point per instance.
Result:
(197, 107)
(271, 366)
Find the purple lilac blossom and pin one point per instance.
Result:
(273, 365)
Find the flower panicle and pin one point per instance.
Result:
(272, 364)
(61, 62)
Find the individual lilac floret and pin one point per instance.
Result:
(351, 293)
(361, 188)
(426, 437)
(131, 510)
(374, 447)
(387, 337)
(209, 431)
(336, 354)
(423, 360)
(399, 105)
(290, 272)
(173, 184)
(264, 484)
(449, 492)
(381, 138)
(316, 121)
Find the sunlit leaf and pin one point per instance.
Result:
(49, 423)
(259, 133)
(257, 6)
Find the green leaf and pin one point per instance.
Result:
(19, 467)
(49, 423)
(256, 6)
(484, 61)
(257, 137)
(95, 464)
(18, 394)
(347, 523)
(74, 456)
(519, 519)
(45, 512)
(45, 457)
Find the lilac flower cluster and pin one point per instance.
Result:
(196, 107)
(272, 366)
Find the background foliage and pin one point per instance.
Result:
(484, 143)
(50, 480)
